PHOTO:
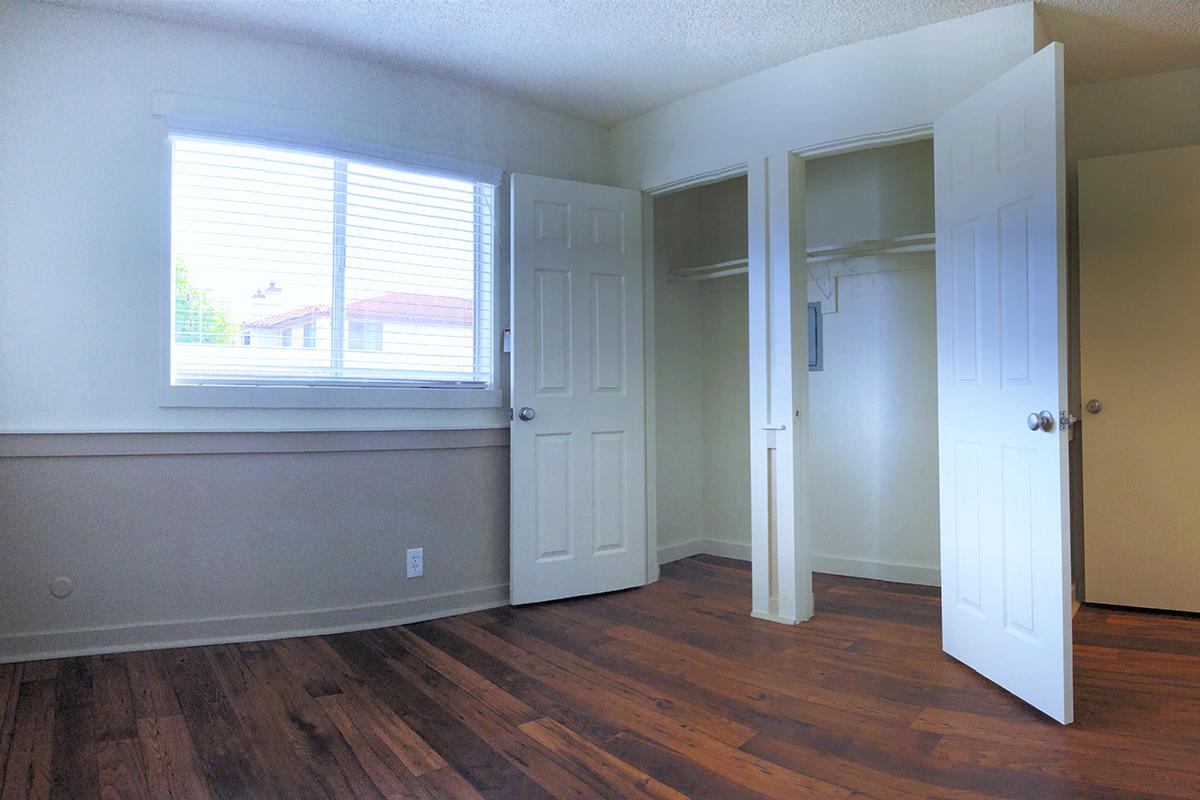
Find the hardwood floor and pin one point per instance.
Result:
(663, 692)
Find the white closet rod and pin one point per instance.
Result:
(737, 266)
(914, 243)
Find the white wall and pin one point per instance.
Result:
(83, 235)
(193, 537)
(885, 84)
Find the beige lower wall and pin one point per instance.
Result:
(221, 546)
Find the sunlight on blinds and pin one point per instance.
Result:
(302, 268)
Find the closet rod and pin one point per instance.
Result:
(721, 269)
(913, 243)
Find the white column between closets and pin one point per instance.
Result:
(778, 297)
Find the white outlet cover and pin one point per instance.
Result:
(414, 562)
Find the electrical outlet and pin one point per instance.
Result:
(415, 560)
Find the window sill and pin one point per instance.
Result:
(324, 397)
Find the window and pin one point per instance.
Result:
(386, 271)
(366, 335)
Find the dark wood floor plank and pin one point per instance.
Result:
(27, 772)
(382, 765)
(112, 698)
(74, 766)
(624, 779)
(172, 769)
(312, 735)
(261, 716)
(150, 686)
(1057, 771)
(487, 771)
(879, 779)
(10, 688)
(509, 708)
(230, 764)
(523, 752)
(718, 726)
(667, 691)
(701, 781)
(745, 769)
(121, 769)
(544, 699)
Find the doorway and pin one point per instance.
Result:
(700, 355)
(1139, 246)
(874, 460)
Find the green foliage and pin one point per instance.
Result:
(197, 319)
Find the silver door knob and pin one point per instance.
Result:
(1044, 421)
(1094, 406)
(526, 413)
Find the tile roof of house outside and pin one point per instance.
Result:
(391, 307)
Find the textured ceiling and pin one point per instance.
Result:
(610, 60)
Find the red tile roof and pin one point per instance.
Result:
(391, 307)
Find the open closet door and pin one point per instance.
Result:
(1002, 383)
(578, 447)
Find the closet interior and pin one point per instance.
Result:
(873, 431)
(702, 405)
(873, 371)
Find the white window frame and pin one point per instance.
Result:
(235, 395)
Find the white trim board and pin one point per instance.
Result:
(877, 570)
(831, 565)
(38, 645)
(41, 445)
(710, 547)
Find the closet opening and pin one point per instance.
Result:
(701, 450)
(873, 434)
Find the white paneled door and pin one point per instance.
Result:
(578, 449)
(1001, 332)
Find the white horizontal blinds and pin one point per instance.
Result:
(306, 268)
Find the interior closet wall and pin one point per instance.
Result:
(701, 374)
(874, 473)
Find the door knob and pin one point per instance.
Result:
(1044, 421)
(526, 413)
(1094, 406)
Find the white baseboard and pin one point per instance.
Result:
(225, 630)
(833, 565)
(711, 547)
(879, 570)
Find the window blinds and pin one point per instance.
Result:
(296, 267)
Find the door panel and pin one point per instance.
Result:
(578, 466)
(1001, 308)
